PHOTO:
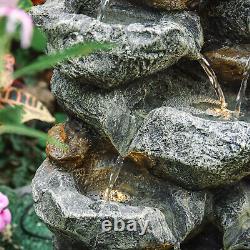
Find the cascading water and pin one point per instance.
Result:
(213, 79)
(242, 91)
(102, 9)
(115, 171)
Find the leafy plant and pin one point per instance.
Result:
(37, 111)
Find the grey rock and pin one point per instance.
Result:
(118, 114)
(146, 41)
(232, 210)
(136, 118)
(194, 151)
(173, 213)
(230, 20)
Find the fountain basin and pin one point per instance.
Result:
(171, 213)
(143, 47)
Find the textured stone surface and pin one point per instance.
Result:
(194, 151)
(232, 207)
(200, 154)
(170, 4)
(230, 20)
(146, 41)
(77, 146)
(173, 213)
(119, 113)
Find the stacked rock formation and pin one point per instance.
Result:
(149, 102)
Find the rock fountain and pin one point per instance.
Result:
(155, 155)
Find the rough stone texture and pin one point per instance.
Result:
(212, 152)
(77, 146)
(146, 41)
(119, 113)
(232, 209)
(194, 151)
(230, 20)
(173, 213)
(170, 4)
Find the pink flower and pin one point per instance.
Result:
(5, 215)
(8, 8)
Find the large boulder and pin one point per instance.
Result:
(228, 21)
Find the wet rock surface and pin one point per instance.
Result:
(229, 63)
(186, 144)
(145, 41)
(170, 4)
(172, 213)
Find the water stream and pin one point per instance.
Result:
(243, 87)
(213, 79)
(102, 9)
(115, 171)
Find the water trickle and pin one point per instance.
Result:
(243, 87)
(116, 169)
(213, 79)
(102, 9)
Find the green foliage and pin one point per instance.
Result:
(19, 159)
(11, 115)
(46, 62)
(25, 4)
(10, 123)
(60, 117)
(20, 239)
(39, 40)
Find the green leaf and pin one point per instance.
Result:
(26, 131)
(25, 4)
(60, 117)
(39, 40)
(11, 115)
(46, 62)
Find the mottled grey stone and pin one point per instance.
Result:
(230, 20)
(173, 213)
(187, 145)
(118, 114)
(194, 151)
(146, 41)
(232, 210)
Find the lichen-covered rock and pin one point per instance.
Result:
(171, 213)
(72, 154)
(146, 41)
(232, 210)
(118, 114)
